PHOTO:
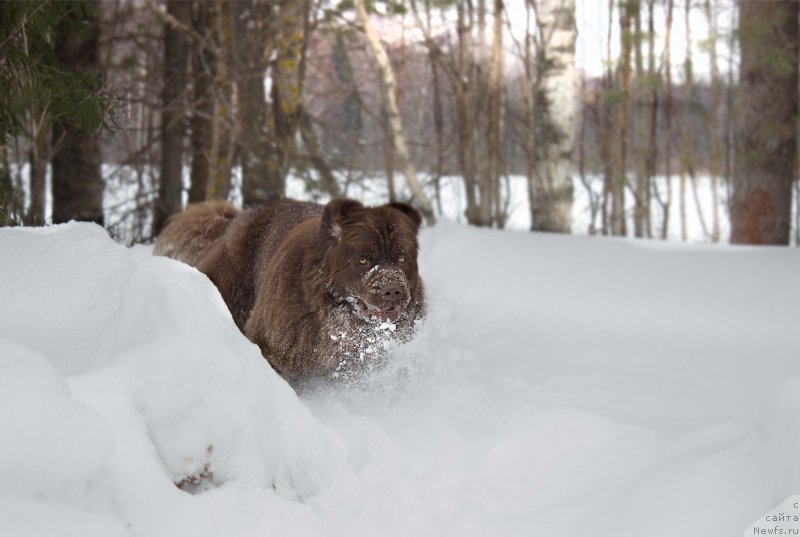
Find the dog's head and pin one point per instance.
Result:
(371, 257)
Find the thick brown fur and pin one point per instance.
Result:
(320, 289)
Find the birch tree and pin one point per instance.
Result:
(395, 121)
(553, 115)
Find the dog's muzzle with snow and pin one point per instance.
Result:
(385, 297)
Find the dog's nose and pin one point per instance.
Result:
(391, 291)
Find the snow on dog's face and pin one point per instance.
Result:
(371, 257)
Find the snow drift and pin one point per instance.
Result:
(122, 378)
(560, 386)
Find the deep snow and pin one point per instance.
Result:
(560, 386)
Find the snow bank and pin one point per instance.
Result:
(121, 379)
(560, 386)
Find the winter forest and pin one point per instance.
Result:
(604, 195)
(653, 123)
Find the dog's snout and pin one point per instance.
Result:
(391, 290)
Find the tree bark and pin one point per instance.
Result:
(287, 76)
(173, 113)
(618, 217)
(640, 119)
(223, 132)
(495, 167)
(686, 163)
(261, 169)
(327, 180)
(463, 86)
(77, 182)
(38, 158)
(203, 67)
(554, 116)
(652, 153)
(667, 202)
(766, 125)
(715, 135)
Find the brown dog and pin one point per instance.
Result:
(321, 290)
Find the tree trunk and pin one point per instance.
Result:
(554, 116)
(652, 141)
(641, 190)
(38, 158)
(463, 88)
(495, 142)
(438, 126)
(608, 132)
(667, 202)
(685, 124)
(11, 211)
(261, 169)
(438, 118)
(287, 76)
(173, 112)
(222, 119)
(77, 182)
(714, 133)
(480, 105)
(388, 155)
(389, 84)
(326, 178)
(766, 124)
(203, 67)
(618, 217)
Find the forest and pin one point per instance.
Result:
(684, 115)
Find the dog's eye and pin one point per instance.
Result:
(363, 261)
(401, 259)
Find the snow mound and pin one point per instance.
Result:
(133, 388)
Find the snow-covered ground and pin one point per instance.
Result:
(560, 386)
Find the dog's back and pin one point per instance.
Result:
(191, 234)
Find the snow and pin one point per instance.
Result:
(559, 386)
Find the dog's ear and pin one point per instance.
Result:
(409, 211)
(336, 215)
